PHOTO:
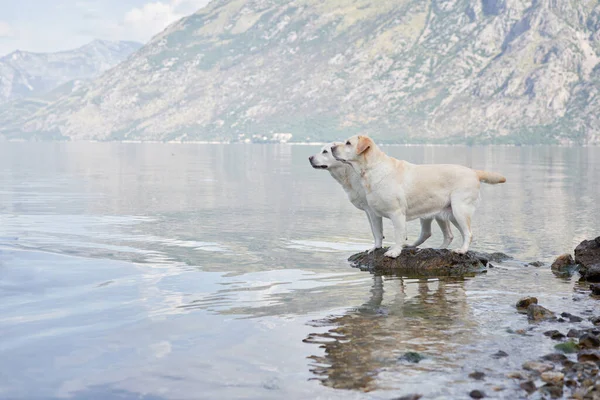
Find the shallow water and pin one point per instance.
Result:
(219, 271)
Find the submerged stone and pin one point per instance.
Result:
(478, 376)
(536, 313)
(567, 347)
(412, 357)
(538, 366)
(553, 378)
(528, 386)
(564, 265)
(571, 317)
(420, 263)
(523, 303)
(554, 335)
(589, 341)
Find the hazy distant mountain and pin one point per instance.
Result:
(25, 74)
(403, 70)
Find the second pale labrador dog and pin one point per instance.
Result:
(350, 180)
(403, 191)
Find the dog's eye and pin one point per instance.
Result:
(324, 151)
(348, 143)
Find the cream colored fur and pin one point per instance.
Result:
(350, 180)
(402, 191)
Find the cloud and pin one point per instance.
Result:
(6, 31)
(146, 21)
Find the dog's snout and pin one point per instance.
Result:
(311, 158)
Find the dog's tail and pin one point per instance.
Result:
(490, 177)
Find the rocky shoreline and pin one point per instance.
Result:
(573, 370)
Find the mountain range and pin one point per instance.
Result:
(442, 71)
(24, 74)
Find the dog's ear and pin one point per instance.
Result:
(364, 144)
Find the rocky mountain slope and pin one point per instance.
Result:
(502, 71)
(24, 74)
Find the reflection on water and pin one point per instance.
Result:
(419, 317)
(195, 271)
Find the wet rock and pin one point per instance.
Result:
(536, 313)
(587, 253)
(555, 391)
(591, 273)
(555, 357)
(574, 333)
(491, 257)
(536, 264)
(477, 394)
(588, 355)
(537, 367)
(409, 397)
(571, 317)
(528, 386)
(523, 303)
(412, 357)
(419, 263)
(595, 321)
(589, 341)
(499, 354)
(554, 335)
(595, 288)
(564, 265)
(515, 375)
(567, 347)
(478, 376)
(553, 378)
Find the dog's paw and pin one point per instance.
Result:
(372, 249)
(459, 251)
(393, 252)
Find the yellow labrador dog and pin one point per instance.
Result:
(350, 180)
(402, 191)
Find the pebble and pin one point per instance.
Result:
(477, 394)
(554, 335)
(528, 386)
(537, 366)
(526, 301)
(553, 378)
(478, 376)
(515, 375)
(500, 354)
(588, 341)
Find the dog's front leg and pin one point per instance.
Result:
(399, 222)
(376, 229)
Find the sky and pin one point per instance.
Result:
(54, 25)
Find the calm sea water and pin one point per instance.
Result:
(219, 272)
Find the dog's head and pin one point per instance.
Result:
(353, 149)
(324, 159)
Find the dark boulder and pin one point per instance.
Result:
(587, 255)
(591, 273)
(588, 252)
(420, 263)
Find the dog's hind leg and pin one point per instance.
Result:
(446, 230)
(463, 207)
(425, 232)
